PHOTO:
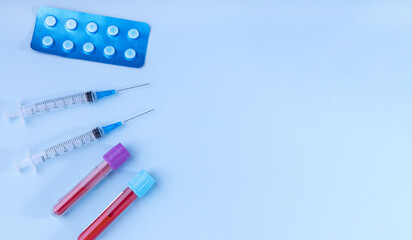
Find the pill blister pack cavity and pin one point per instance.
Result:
(90, 37)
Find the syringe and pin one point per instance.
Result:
(49, 105)
(46, 154)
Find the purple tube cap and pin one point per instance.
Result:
(116, 156)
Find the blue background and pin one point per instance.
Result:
(274, 120)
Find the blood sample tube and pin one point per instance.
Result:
(137, 187)
(113, 159)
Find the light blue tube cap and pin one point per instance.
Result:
(141, 183)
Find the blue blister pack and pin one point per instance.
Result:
(90, 37)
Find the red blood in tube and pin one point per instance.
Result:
(82, 188)
(108, 215)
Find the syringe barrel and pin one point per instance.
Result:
(57, 103)
(73, 143)
(113, 159)
(58, 149)
(81, 189)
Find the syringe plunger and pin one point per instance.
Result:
(30, 161)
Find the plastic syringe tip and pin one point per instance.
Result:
(111, 127)
(103, 94)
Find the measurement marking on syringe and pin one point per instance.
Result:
(64, 145)
(47, 103)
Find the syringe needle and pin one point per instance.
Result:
(141, 85)
(138, 115)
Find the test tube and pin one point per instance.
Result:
(113, 159)
(137, 187)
